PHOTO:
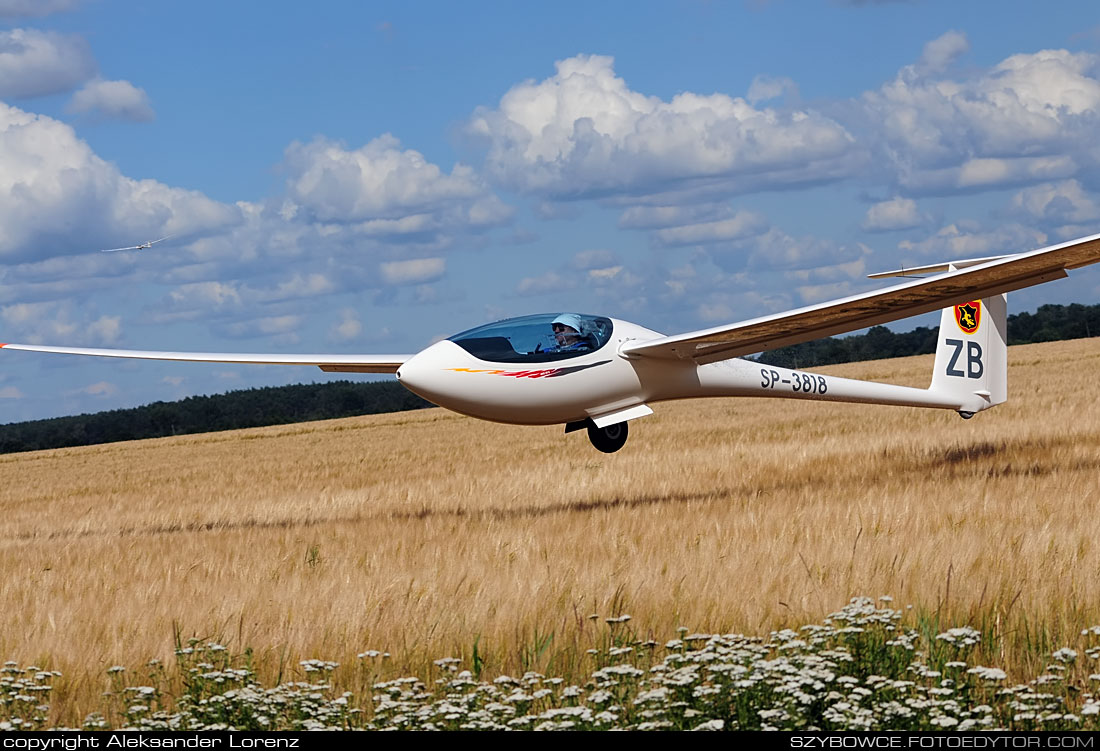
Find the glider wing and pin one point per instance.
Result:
(983, 279)
(330, 363)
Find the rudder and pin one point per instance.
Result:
(972, 354)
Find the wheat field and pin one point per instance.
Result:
(424, 534)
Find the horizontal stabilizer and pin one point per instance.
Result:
(935, 268)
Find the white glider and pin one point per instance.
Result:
(142, 246)
(597, 373)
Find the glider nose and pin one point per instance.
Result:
(403, 372)
(415, 372)
(427, 373)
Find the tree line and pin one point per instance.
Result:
(248, 408)
(251, 408)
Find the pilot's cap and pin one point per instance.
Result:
(572, 320)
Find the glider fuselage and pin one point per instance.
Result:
(603, 382)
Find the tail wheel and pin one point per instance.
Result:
(608, 439)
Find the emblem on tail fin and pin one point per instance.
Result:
(969, 316)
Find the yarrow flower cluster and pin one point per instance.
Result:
(858, 670)
(23, 696)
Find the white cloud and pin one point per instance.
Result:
(764, 88)
(415, 271)
(59, 323)
(715, 312)
(58, 198)
(593, 259)
(583, 132)
(898, 213)
(960, 241)
(380, 183)
(1031, 118)
(233, 298)
(941, 52)
(119, 100)
(605, 275)
(106, 329)
(284, 326)
(39, 63)
(11, 392)
(775, 249)
(656, 217)
(295, 288)
(215, 297)
(551, 281)
(348, 328)
(741, 225)
(99, 390)
(815, 293)
(1062, 202)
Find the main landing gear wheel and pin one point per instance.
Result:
(609, 439)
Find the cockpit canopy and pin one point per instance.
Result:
(546, 337)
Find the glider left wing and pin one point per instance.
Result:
(984, 279)
(329, 363)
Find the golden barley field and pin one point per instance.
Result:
(425, 533)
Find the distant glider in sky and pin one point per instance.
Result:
(142, 246)
(596, 373)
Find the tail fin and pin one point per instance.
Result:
(972, 354)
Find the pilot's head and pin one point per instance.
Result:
(567, 329)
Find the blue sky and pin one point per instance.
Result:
(370, 177)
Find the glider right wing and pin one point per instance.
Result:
(982, 279)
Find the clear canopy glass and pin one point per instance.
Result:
(546, 337)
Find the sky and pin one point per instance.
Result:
(356, 177)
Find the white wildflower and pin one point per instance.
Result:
(988, 674)
(1065, 655)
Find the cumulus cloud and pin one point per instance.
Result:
(11, 392)
(897, 213)
(551, 281)
(963, 240)
(101, 389)
(593, 259)
(116, 100)
(348, 328)
(58, 198)
(775, 249)
(741, 225)
(39, 63)
(390, 190)
(658, 217)
(1031, 118)
(764, 88)
(584, 133)
(696, 224)
(53, 322)
(1064, 202)
(415, 271)
(285, 327)
(941, 52)
(231, 298)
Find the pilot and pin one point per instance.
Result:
(569, 334)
